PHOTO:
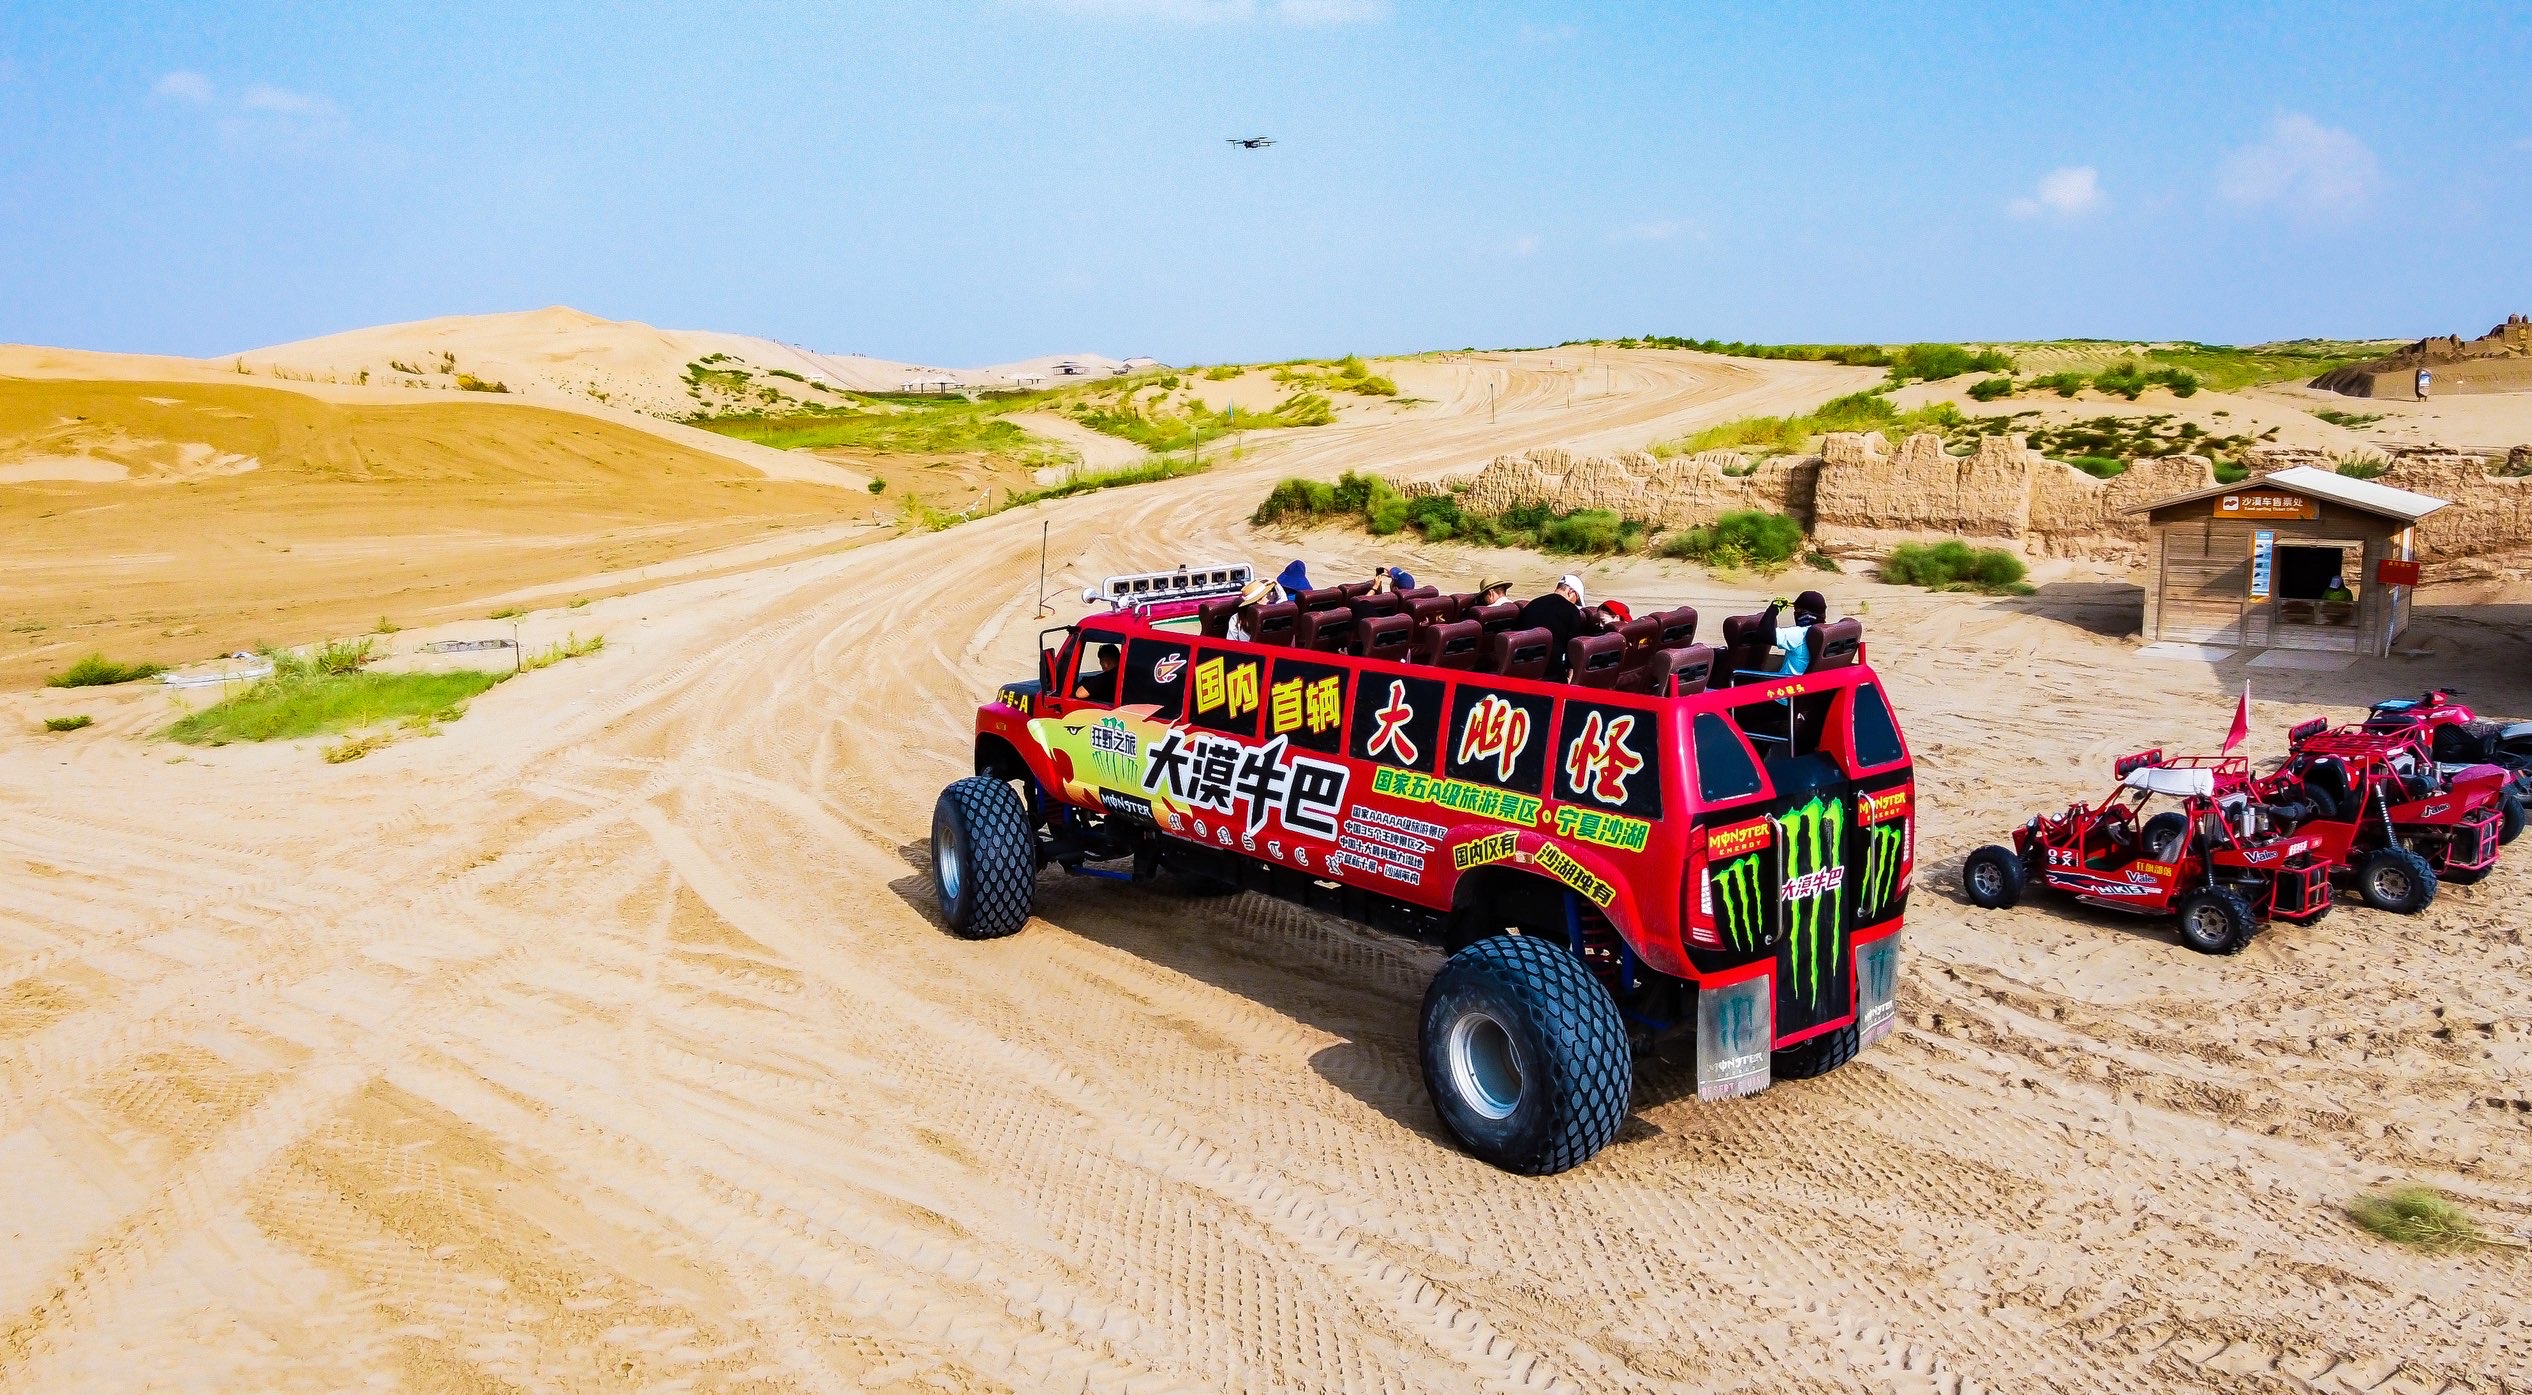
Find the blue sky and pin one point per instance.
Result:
(966, 181)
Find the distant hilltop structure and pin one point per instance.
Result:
(2498, 361)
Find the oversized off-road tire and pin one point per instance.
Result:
(1818, 1056)
(2509, 819)
(2395, 880)
(1525, 1057)
(2216, 920)
(1993, 877)
(2166, 836)
(984, 858)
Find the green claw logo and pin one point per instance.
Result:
(1881, 868)
(1740, 903)
(1814, 892)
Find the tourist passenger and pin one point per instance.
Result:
(1494, 592)
(1401, 579)
(2338, 592)
(1559, 612)
(1809, 609)
(1255, 593)
(1294, 578)
(1610, 614)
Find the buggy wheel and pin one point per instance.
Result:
(2396, 880)
(984, 858)
(1993, 877)
(2214, 920)
(2509, 819)
(2166, 836)
(1525, 1057)
(1816, 1057)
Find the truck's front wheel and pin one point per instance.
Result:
(1525, 1056)
(984, 858)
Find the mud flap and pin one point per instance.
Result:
(1877, 988)
(1736, 1028)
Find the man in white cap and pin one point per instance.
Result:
(1559, 612)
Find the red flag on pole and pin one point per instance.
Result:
(2241, 722)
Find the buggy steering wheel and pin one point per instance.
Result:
(2118, 824)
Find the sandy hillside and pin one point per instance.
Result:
(173, 521)
(2495, 420)
(608, 1042)
(562, 352)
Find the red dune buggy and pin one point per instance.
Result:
(2211, 861)
(2381, 810)
(2457, 739)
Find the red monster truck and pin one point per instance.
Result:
(1649, 855)
(2212, 863)
(2457, 739)
(2381, 810)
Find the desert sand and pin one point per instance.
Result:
(608, 1041)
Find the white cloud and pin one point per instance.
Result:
(1296, 12)
(2068, 193)
(283, 102)
(2303, 167)
(193, 88)
(1661, 230)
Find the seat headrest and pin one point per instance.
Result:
(1520, 653)
(1321, 598)
(1384, 636)
(1497, 617)
(1271, 624)
(1594, 661)
(1432, 610)
(1641, 631)
(1679, 627)
(1692, 665)
(1214, 616)
(1453, 644)
(1325, 629)
(1740, 630)
(1387, 603)
(1835, 644)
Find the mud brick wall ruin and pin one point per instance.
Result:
(1860, 496)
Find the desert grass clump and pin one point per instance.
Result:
(1754, 539)
(305, 698)
(1953, 565)
(2419, 1216)
(571, 646)
(1917, 363)
(98, 671)
(507, 612)
(1989, 389)
(66, 723)
(2362, 467)
(1157, 468)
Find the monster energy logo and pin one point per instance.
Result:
(1814, 894)
(1881, 867)
(1740, 905)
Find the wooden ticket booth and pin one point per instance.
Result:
(2300, 558)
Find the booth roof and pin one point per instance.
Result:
(2366, 495)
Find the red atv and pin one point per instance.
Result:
(2213, 862)
(2380, 809)
(2456, 738)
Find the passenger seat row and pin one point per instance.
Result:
(1455, 632)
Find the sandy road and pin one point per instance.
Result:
(606, 1042)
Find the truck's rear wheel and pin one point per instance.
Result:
(984, 858)
(1525, 1056)
(1993, 877)
(2214, 920)
(1816, 1057)
(2395, 880)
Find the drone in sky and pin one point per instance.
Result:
(1251, 142)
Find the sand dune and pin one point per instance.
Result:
(608, 1041)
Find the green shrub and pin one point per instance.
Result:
(2181, 381)
(1928, 362)
(1296, 499)
(2100, 467)
(1223, 373)
(1953, 565)
(65, 723)
(877, 486)
(2362, 467)
(309, 702)
(2063, 384)
(1742, 538)
(2124, 378)
(98, 671)
(2417, 1216)
(2351, 420)
(2231, 472)
(1591, 532)
(1989, 389)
